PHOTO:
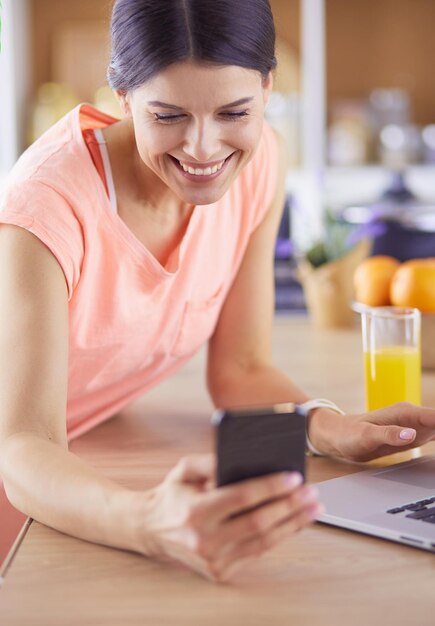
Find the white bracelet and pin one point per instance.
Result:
(305, 409)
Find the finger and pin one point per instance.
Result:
(426, 416)
(194, 468)
(404, 414)
(255, 547)
(233, 499)
(376, 436)
(261, 520)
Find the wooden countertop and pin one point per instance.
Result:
(322, 576)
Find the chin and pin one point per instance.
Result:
(202, 198)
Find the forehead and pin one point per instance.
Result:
(188, 83)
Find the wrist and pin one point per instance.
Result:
(322, 427)
(134, 510)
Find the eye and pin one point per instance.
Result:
(235, 115)
(168, 119)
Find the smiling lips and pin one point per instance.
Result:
(199, 171)
(208, 171)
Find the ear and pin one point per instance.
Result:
(124, 101)
(267, 87)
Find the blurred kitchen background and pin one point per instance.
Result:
(354, 97)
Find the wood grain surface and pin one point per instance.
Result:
(321, 576)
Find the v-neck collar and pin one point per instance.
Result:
(113, 219)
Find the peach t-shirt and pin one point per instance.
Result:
(132, 322)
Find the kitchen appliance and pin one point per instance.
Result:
(402, 226)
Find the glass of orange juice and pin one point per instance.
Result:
(392, 355)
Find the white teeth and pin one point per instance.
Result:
(198, 171)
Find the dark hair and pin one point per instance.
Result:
(149, 35)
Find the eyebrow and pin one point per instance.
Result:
(165, 105)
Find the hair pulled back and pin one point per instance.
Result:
(149, 35)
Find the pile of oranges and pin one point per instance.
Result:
(382, 281)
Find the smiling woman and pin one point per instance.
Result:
(193, 142)
(140, 240)
(202, 35)
(125, 246)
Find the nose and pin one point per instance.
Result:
(202, 141)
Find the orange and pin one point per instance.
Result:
(372, 280)
(414, 285)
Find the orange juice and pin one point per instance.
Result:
(392, 374)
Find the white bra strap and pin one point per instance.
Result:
(107, 168)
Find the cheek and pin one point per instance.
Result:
(152, 142)
(247, 138)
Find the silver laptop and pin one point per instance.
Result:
(396, 502)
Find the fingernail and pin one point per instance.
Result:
(318, 510)
(311, 493)
(293, 480)
(407, 434)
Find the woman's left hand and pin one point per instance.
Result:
(364, 437)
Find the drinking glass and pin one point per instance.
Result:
(392, 355)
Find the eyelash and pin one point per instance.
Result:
(170, 119)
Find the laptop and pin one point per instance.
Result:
(395, 502)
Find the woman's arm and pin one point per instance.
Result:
(184, 518)
(240, 369)
(41, 478)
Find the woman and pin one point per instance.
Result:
(125, 246)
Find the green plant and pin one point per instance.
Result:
(335, 242)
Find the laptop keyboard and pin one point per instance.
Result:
(423, 510)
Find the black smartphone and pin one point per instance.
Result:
(257, 441)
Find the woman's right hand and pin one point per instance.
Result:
(215, 530)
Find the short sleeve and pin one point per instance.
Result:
(44, 212)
